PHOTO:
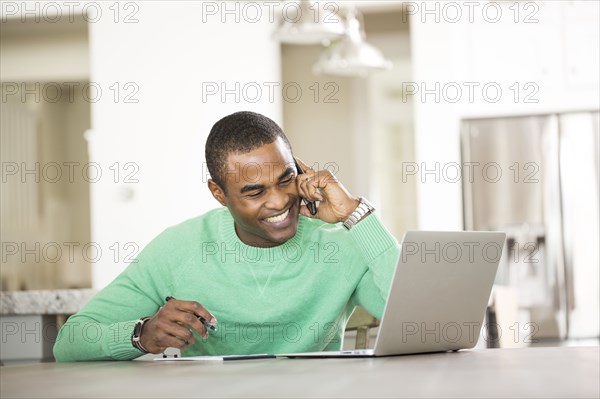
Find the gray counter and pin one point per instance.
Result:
(48, 302)
(30, 321)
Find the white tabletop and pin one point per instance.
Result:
(528, 372)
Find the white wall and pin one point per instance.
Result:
(42, 51)
(168, 55)
(558, 54)
(319, 123)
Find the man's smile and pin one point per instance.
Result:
(281, 219)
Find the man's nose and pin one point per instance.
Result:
(278, 199)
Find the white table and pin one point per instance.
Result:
(528, 372)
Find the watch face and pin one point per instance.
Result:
(137, 329)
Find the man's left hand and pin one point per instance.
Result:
(336, 204)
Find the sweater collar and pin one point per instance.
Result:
(289, 250)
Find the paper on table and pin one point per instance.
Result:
(218, 358)
(190, 358)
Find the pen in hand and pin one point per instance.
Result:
(202, 319)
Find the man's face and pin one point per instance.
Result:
(261, 194)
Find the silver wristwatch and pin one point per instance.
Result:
(364, 207)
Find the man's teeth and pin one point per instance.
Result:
(279, 218)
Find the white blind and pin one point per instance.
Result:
(18, 132)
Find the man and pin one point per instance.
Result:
(269, 276)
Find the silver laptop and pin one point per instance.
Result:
(438, 296)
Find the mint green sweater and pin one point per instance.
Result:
(295, 297)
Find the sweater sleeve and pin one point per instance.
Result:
(102, 329)
(380, 251)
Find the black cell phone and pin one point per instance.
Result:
(312, 207)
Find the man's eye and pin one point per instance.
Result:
(254, 194)
(286, 181)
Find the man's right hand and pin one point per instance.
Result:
(172, 325)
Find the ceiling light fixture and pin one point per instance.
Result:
(308, 25)
(351, 55)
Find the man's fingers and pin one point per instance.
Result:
(182, 328)
(302, 182)
(174, 335)
(309, 189)
(314, 194)
(180, 332)
(195, 308)
(309, 182)
(200, 310)
(303, 185)
(162, 334)
(170, 341)
(185, 314)
(191, 320)
(308, 186)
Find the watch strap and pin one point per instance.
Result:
(137, 334)
(363, 208)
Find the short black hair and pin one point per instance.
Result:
(239, 133)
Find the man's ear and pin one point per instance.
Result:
(216, 191)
